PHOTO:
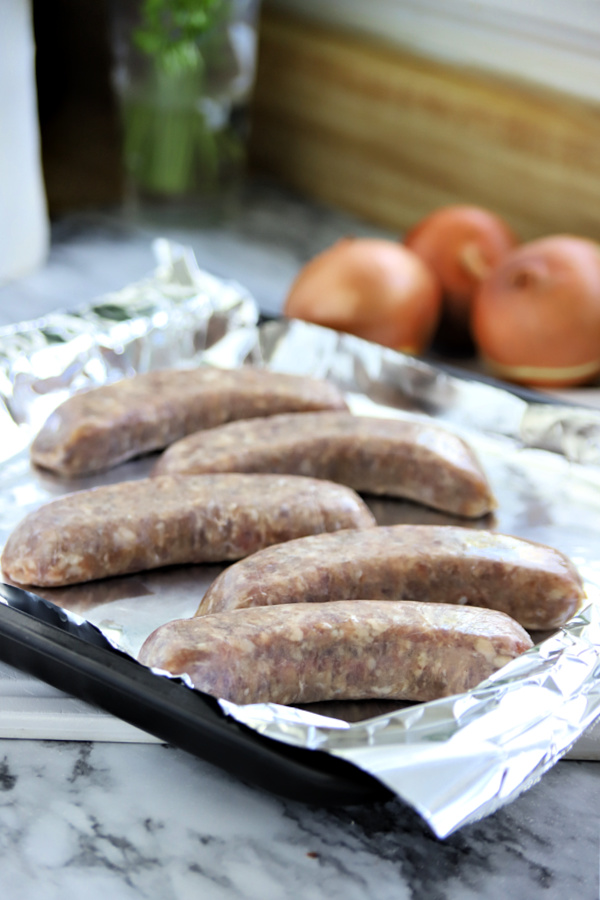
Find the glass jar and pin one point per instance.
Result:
(183, 85)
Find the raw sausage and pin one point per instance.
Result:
(137, 525)
(415, 460)
(536, 585)
(102, 427)
(350, 650)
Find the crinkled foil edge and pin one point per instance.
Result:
(453, 760)
(170, 318)
(459, 759)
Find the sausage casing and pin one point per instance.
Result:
(137, 525)
(415, 460)
(353, 650)
(534, 584)
(105, 426)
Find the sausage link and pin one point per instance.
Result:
(102, 427)
(354, 650)
(136, 525)
(534, 584)
(414, 460)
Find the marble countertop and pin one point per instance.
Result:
(144, 820)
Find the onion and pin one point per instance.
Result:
(371, 287)
(462, 245)
(536, 319)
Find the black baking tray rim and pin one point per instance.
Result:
(72, 655)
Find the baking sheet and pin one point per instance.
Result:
(543, 462)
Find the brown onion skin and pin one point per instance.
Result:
(462, 244)
(370, 287)
(540, 308)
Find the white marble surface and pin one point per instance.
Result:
(123, 821)
(96, 819)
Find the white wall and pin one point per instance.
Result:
(555, 43)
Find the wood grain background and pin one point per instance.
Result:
(390, 136)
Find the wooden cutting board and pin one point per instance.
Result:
(31, 709)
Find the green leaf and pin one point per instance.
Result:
(52, 337)
(169, 27)
(112, 312)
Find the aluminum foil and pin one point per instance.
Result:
(453, 760)
(167, 319)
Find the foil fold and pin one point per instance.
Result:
(169, 318)
(453, 760)
(460, 758)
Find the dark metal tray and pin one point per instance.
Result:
(39, 638)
